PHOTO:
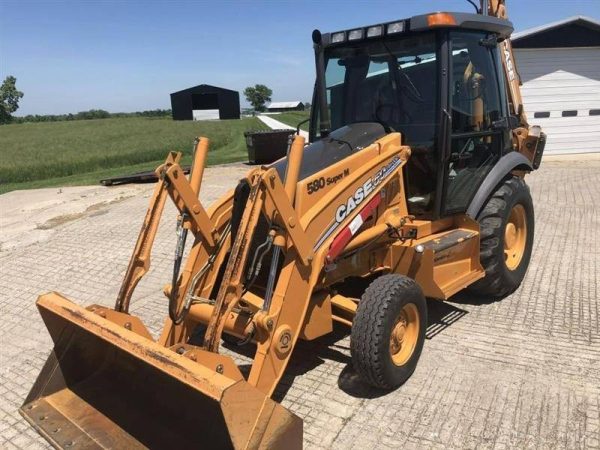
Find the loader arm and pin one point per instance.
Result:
(140, 260)
(99, 387)
(308, 239)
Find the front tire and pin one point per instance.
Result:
(388, 331)
(507, 229)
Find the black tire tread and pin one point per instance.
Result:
(491, 223)
(367, 332)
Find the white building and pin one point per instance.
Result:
(559, 65)
(285, 106)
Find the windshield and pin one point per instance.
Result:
(393, 83)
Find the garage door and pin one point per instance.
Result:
(561, 92)
(205, 114)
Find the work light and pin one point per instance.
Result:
(355, 35)
(338, 37)
(395, 27)
(375, 31)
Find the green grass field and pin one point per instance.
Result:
(34, 155)
(293, 118)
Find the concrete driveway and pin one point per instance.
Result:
(523, 372)
(274, 124)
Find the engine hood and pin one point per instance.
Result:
(340, 144)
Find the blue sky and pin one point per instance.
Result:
(128, 56)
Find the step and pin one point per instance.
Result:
(445, 240)
(453, 270)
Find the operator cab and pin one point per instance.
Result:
(434, 78)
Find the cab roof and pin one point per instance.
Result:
(458, 20)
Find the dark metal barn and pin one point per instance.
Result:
(205, 102)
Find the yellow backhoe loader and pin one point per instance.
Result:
(412, 185)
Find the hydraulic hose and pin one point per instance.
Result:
(271, 281)
(179, 248)
(256, 265)
(188, 299)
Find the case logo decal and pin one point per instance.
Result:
(362, 192)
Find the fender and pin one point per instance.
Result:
(508, 163)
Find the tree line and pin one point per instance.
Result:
(9, 103)
(87, 115)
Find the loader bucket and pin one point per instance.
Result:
(105, 386)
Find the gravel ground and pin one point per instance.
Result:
(522, 372)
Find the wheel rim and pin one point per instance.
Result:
(515, 237)
(405, 334)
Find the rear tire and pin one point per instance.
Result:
(388, 331)
(507, 229)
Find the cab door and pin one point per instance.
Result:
(476, 107)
